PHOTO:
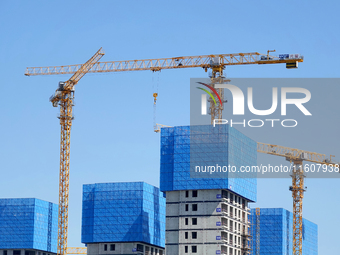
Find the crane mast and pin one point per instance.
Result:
(257, 231)
(66, 117)
(217, 78)
(297, 189)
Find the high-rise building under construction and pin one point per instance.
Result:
(207, 208)
(272, 233)
(123, 218)
(28, 226)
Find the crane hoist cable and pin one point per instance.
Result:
(155, 95)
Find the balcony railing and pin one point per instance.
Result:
(224, 238)
(224, 225)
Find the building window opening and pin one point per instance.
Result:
(194, 249)
(113, 247)
(194, 221)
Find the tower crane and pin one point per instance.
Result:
(297, 157)
(64, 97)
(216, 63)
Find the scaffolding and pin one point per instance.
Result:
(123, 212)
(276, 232)
(28, 223)
(185, 147)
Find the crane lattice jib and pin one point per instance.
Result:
(83, 69)
(204, 61)
(76, 250)
(293, 154)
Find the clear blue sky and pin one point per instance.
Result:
(112, 135)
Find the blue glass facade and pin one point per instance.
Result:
(276, 233)
(184, 148)
(123, 212)
(28, 223)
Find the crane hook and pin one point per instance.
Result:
(155, 97)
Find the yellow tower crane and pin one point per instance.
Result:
(64, 96)
(297, 157)
(216, 63)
